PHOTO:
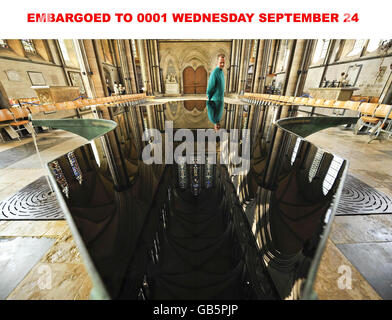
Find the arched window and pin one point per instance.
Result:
(374, 44)
(283, 56)
(321, 50)
(357, 49)
(63, 49)
(28, 45)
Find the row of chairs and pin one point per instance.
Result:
(83, 104)
(375, 117)
(15, 119)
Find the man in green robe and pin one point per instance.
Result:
(215, 92)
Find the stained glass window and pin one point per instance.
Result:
(3, 43)
(28, 45)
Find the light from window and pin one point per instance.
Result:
(374, 44)
(254, 52)
(3, 43)
(283, 55)
(358, 46)
(315, 164)
(321, 50)
(134, 48)
(28, 45)
(295, 150)
(64, 50)
(332, 173)
(286, 55)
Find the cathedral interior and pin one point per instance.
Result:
(104, 195)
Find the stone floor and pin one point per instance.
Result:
(362, 242)
(356, 261)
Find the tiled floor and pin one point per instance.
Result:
(57, 271)
(349, 268)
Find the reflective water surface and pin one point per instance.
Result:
(132, 221)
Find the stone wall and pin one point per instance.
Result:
(19, 86)
(175, 56)
(46, 66)
(371, 79)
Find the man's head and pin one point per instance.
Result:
(221, 60)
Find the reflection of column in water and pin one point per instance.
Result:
(182, 174)
(209, 173)
(195, 175)
(40, 160)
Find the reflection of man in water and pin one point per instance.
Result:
(215, 92)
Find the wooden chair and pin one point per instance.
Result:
(35, 109)
(21, 115)
(319, 103)
(311, 102)
(366, 113)
(6, 118)
(328, 103)
(352, 105)
(381, 121)
(338, 108)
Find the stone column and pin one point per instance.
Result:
(244, 65)
(295, 67)
(155, 66)
(271, 56)
(232, 62)
(4, 102)
(157, 69)
(131, 66)
(265, 65)
(123, 64)
(241, 65)
(148, 66)
(235, 66)
(258, 66)
(143, 66)
(98, 84)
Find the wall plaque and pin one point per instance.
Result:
(13, 75)
(36, 78)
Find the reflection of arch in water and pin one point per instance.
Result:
(173, 110)
(187, 118)
(195, 104)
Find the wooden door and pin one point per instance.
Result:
(200, 80)
(195, 81)
(188, 76)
